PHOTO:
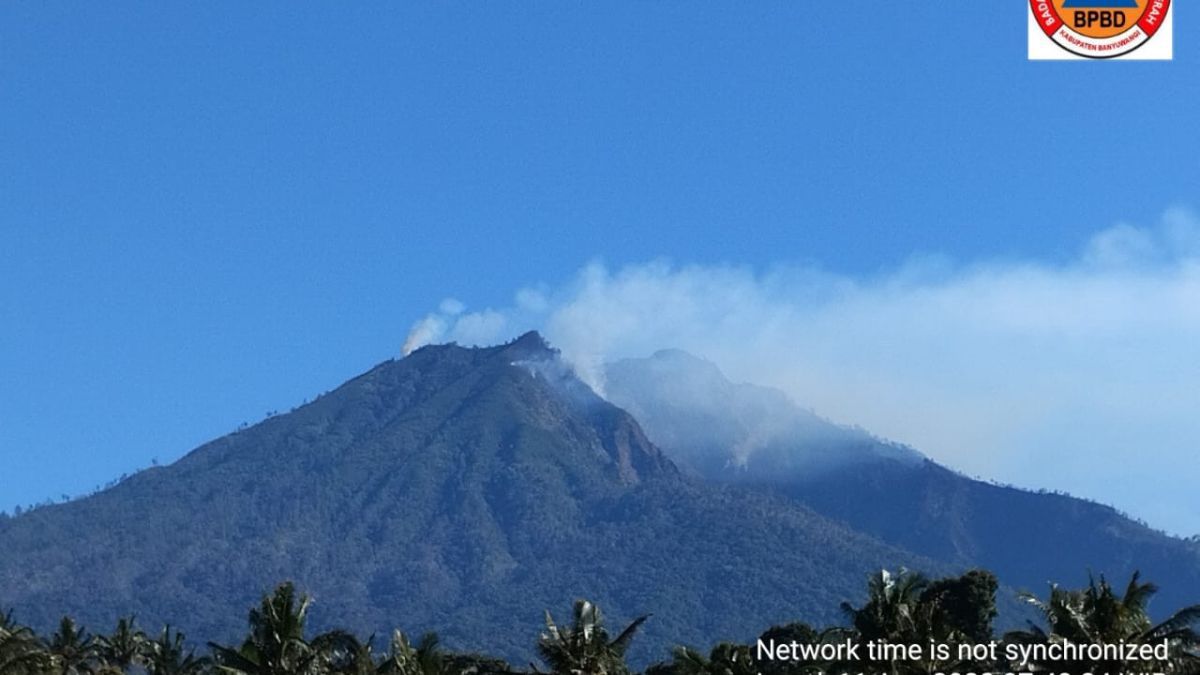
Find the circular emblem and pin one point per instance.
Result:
(1100, 29)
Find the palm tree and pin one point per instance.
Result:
(584, 648)
(21, 652)
(124, 647)
(908, 609)
(1097, 615)
(275, 645)
(167, 655)
(404, 659)
(892, 609)
(891, 614)
(73, 649)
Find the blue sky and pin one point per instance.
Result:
(213, 210)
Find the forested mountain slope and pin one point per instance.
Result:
(755, 436)
(457, 490)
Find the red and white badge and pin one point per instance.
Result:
(1100, 29)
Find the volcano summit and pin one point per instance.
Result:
(458, 490)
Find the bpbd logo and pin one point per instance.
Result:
(1099, 19)
(1100, 29)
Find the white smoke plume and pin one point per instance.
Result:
(433, 326)
(1083, 375)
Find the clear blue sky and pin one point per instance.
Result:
(212, 210)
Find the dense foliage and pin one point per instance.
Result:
(903, 608)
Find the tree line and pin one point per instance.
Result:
(901, 608)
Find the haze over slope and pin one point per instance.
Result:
(736, 432)
(750, 435)
(457, 490)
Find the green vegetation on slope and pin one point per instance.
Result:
(464, 489)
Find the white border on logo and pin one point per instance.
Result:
(1160, 47)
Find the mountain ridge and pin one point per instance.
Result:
(458, 490)
(1028, 538)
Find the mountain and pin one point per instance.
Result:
(754, 436)
(458, 490)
